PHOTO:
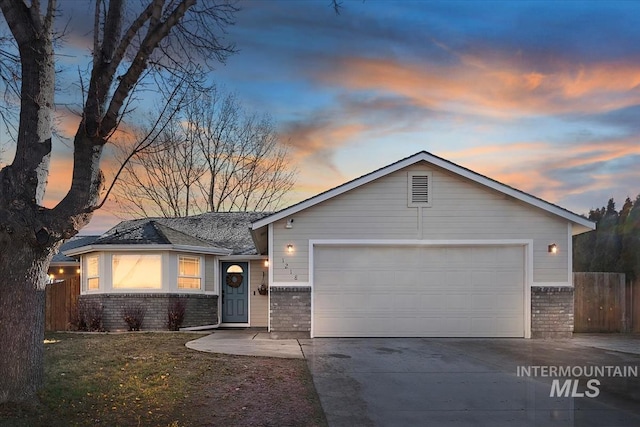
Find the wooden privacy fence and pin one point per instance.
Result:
(606, 302)
(61, 301)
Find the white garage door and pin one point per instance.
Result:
(383, 291)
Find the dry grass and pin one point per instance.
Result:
(152, 379)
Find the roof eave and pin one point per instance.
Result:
(437, 161)
(147, 247)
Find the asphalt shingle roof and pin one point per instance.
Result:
(74, 242)
(227, 230)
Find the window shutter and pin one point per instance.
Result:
(420, 189)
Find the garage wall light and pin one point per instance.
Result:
(290, 248)
(553, 248)
(289, 223)
(266, 263)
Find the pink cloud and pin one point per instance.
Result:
(499, 87)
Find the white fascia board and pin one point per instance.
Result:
(333, 193)
(510, 191)
(145, 248)
(437, 161)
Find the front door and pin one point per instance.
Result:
(235, 292)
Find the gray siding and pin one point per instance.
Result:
(259, 304)
(210, 271)
(461, 209)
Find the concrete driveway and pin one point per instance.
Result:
(473, 382)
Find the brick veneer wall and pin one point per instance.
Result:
(290, 310)
(551, 312)
(200, 310)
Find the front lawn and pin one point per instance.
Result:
(152, 379)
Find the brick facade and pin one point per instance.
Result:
(551, 312)
(290, 311)
(200, 309)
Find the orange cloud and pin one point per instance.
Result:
(538, 168)
(499, 87)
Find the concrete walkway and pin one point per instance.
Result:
(247, 343)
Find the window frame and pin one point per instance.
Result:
(410, 202)
(92, 277)
(198, 276)
(158, 288)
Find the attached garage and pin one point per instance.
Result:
(418, 291)
(420, 248)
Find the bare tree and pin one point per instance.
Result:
(165, 39)
(160, 181)
(215, 158)
(248, 168)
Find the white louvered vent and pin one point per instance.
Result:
(419, 189)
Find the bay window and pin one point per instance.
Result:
(136, 271)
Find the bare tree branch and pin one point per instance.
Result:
(233, 161)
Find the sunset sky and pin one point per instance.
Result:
(542, 96)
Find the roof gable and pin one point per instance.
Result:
(439, 162)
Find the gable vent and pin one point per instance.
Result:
(419, 189)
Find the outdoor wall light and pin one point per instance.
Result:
(289, 223)
(553, 248)
(290, 248)
(78, 271)
(266, 263)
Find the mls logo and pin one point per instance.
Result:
(570, 388)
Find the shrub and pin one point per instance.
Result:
(88, 316)
(133, 314)
(175, 313)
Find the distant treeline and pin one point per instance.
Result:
(615, 244)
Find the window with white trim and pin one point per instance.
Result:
(136, 271)
(189, 272)
(419, 191)
(93, 272)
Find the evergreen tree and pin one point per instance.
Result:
(629, 261)
(606, 249)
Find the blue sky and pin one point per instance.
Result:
(542, 96)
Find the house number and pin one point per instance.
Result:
(286, 267)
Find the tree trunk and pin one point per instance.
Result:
(22, 302)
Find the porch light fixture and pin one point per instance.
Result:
(553, 248)
(290, 248)
(61, 271)
(266, 263)
(289, 223)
